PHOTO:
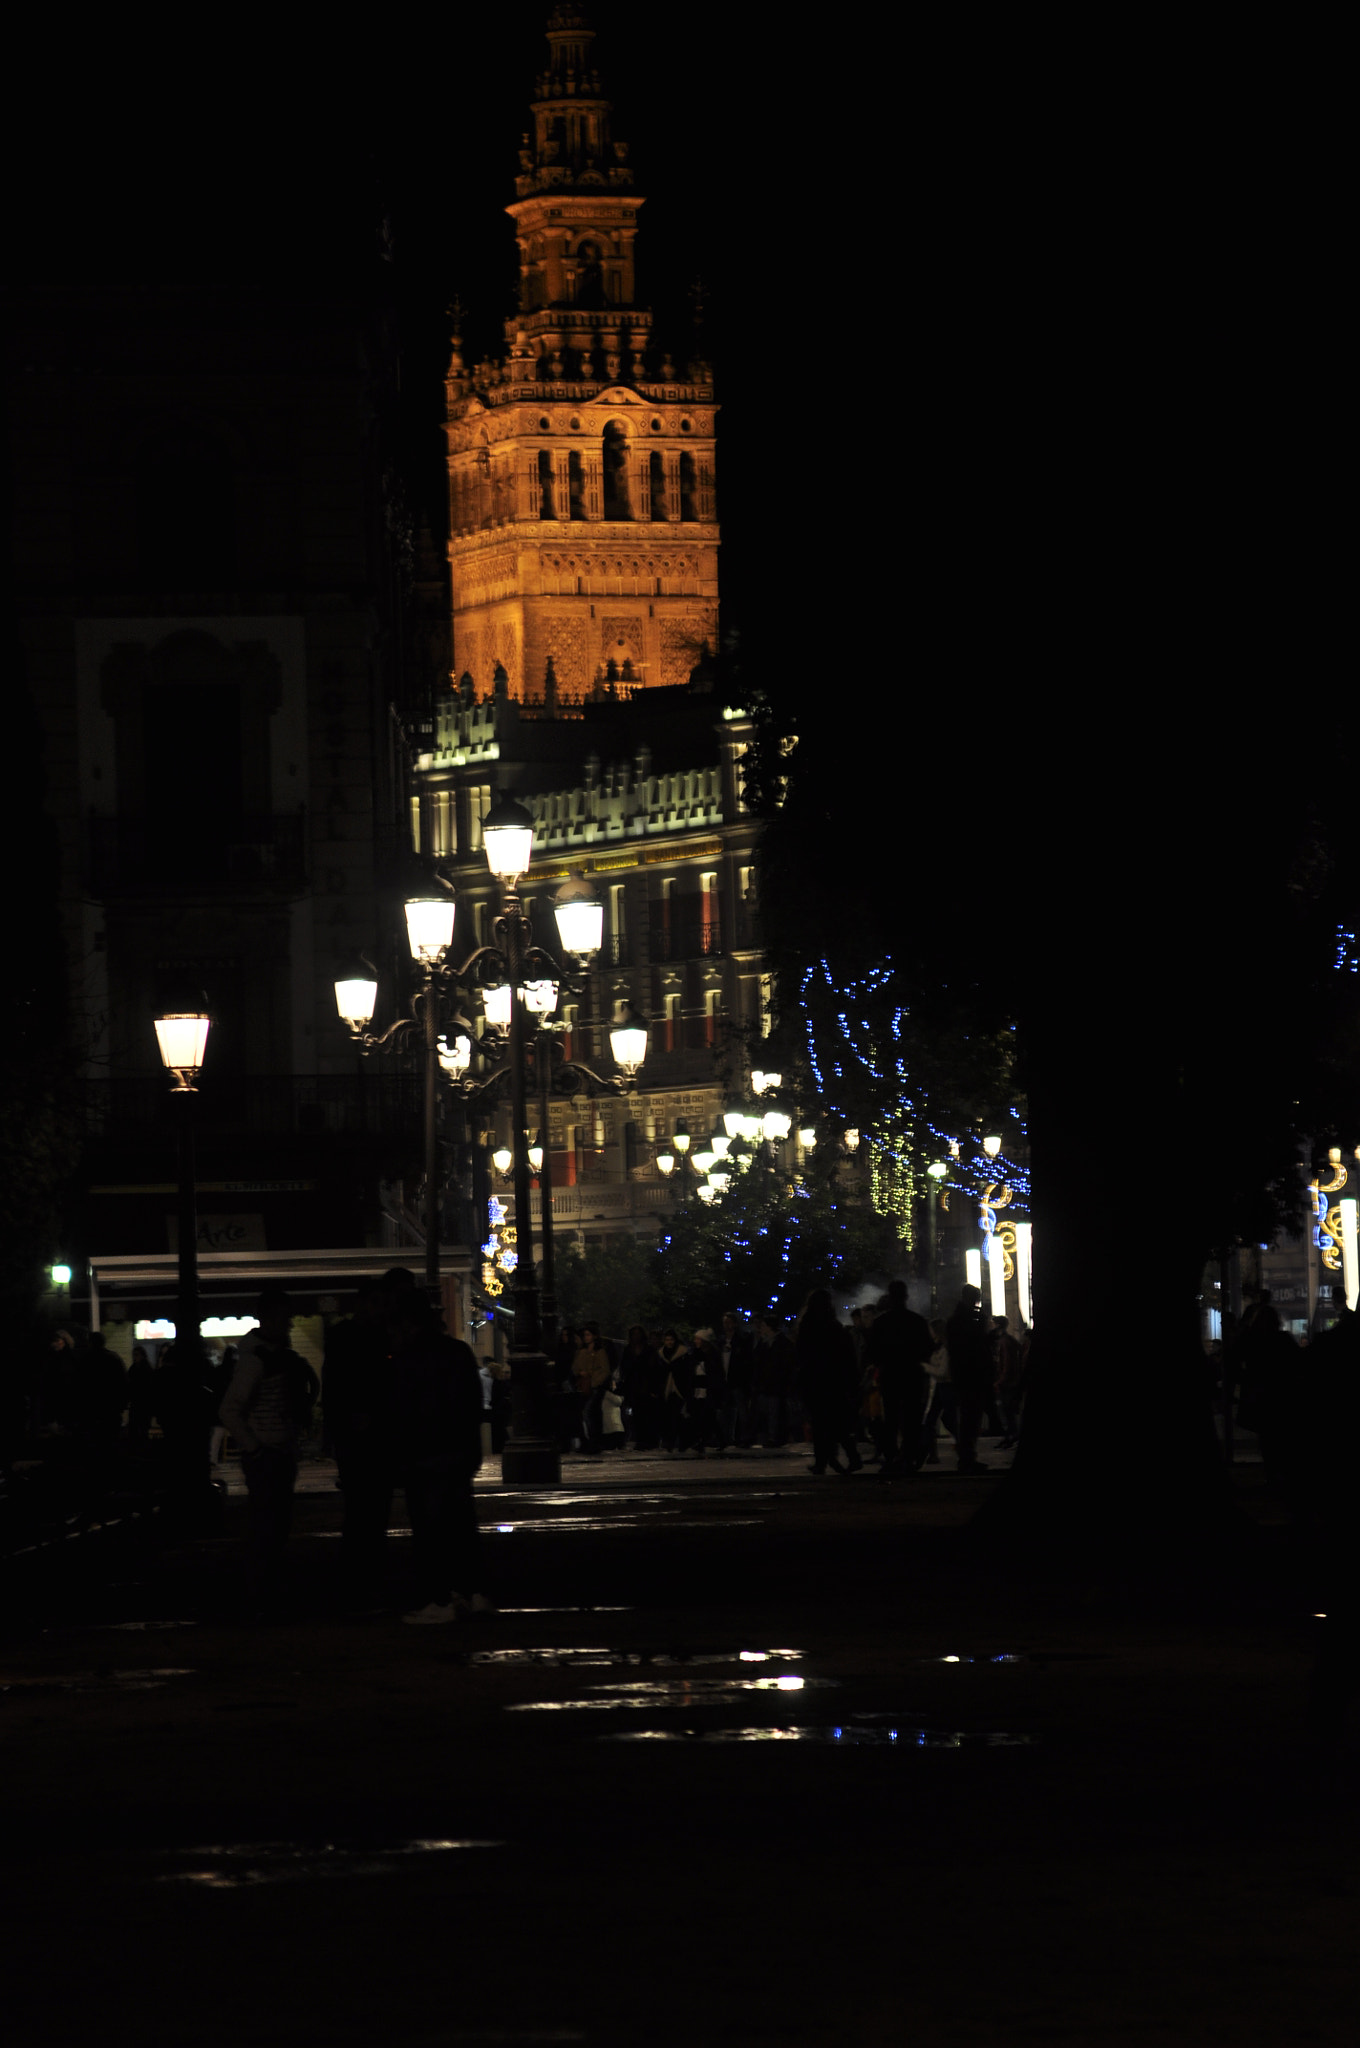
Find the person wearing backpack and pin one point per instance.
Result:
(267, 1409)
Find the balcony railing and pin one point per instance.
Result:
(272, 1105)
(637, 1198)
(256, 853)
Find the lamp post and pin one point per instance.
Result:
(937, 1172)
(183, 1039)
(518, 981)
(429, 931)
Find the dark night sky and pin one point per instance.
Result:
(996, 334)
(833, 197)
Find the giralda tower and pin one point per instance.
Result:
(582, 515)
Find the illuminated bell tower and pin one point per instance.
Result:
(584, 545)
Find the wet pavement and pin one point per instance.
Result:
(745, 1758)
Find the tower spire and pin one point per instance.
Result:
(570, 147)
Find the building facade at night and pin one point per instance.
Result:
(583, 561)
(257, 690)
(213, 629)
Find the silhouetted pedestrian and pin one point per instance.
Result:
(970, 1369)
(705, 1388)
(772, 1379)
(437, 1433)
(827, 1376)
(898, 1346)
(643, 1377)
(738, 1364)
(591, 1372)
(140, 1395)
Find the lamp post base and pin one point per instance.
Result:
(529, 1461)
(532, 1455)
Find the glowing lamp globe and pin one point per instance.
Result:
(496, 1004)
(540, 997)
(706, 1193)
(429, 927)
(628, 1042)
(183, 1037)
(807, 1137)
(665, 1162)
(681, 1137)
(455, 1054)
(356, 999)
(852, 1139)
(991, 1146)
(580, 917)
(720, 1179)
(938, 1170)
(704, 1158)
(753, 1129)
(501, 1158)
(720, 1142)
(536, 1153)
(508, 835)
(775, 1124)
(733, 1120)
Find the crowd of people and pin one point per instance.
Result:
(887, 1379)
(404, 1407)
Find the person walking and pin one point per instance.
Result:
(642, 1378)
(705, 1394)
(591, 1371)
(738, 1364)
(673, 1356)
(266, 1409)
(898, 1346)
(772, 1381)
(827, 1376)
(437, 1444)
(970, 1369)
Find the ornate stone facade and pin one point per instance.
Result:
(581, 464)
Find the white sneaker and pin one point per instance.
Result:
(433, 1614)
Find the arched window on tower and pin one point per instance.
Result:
(576, 486)
(688, 487)
(616, 501)
(545, 485)
(589, 276)
(656, 474)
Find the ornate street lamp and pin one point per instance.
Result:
(628, 1042)
(183, 1040)
(580, 918)
(937, 1171)
(518, 982)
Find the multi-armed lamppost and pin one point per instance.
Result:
(519, 981)
(429, 929)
